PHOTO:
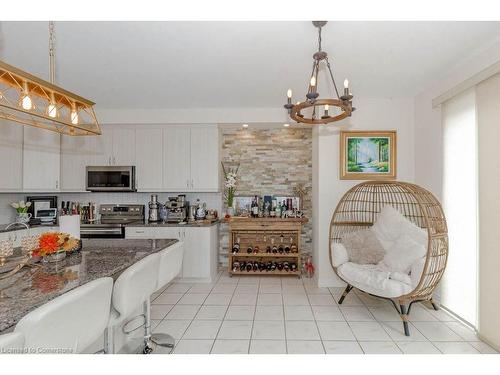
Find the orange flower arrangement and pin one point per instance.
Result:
(55, 242)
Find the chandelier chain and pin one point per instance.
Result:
(331, 75)
(52, 62)
(319, 39)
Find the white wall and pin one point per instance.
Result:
(372, 114)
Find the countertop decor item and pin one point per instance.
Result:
(230, 180)
(410, 224)
(29, 100)
(21, 208)
(334, 109)
(53, 246)
(368, 155)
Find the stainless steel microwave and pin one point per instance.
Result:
(110, 178)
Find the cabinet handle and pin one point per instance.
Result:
(109, 161)
(187, 183)
(192, 184)
(114, 160)
(57, 184)
(139, 231)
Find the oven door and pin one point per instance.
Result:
(110, 178)
(102, 231)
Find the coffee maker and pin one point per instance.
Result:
(154, 208)
(177, 208)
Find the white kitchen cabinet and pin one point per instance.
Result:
(176, 159)
(76, 154)
(103, 147)
(204, 159)
(11, 156)
(200, 248)
(41, 160)
(123, 147)
(148, 159)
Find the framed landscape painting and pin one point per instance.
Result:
(367, 155)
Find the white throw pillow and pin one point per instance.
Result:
(339, 254)
(403, 253)
(391, 225)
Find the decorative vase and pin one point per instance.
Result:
(230, 211)
(23, 217)
(56, 257)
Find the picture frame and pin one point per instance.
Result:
(368, 155)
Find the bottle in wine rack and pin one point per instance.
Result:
(268, 249)
(243, 266)
(273, 266)
(256, 249)
(255, 266)
(286, 266)
(269, 265)
(293, 248)
(279, 266)
(287, 249)
(249, 266)
(293, 266)
(275, 249)
(250, 249)
(236, 266)
(281, 249)
(236, 248)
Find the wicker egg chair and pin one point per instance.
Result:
(359, 209)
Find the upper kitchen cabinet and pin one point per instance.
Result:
(41, 160)
(11, 156)
(76, 154)
(191, 158)
(115, 146)
(148, 159)
(176, 158)
(205, 158)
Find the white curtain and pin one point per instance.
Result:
(459, 286)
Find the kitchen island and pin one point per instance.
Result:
(33, 286)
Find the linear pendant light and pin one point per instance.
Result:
(29, 100)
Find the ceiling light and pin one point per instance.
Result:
(343, 103)
(245, 125)
(29, 100)
(286, 125)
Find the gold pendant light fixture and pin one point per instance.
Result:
(334, 109)
(29, 100)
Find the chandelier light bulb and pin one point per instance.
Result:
(74, 117)
(245, 126)
(289, 94)
(327, 107)
(286, 125)
(313, 81)
(346, 83)
(26, 102)
(52, 110)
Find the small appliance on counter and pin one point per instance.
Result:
(154, 209)
(177, 209)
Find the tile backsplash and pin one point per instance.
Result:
(8, 214)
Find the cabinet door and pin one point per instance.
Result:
(76, 154)
(148, 159)
(123, 147)
(205, 158)
(103, 147)
(11, 155)
(197, 244)
(176, 156)
(41, 160)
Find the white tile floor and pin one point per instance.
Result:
(273, 315)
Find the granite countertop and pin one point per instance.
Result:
(33, 286)
(199, 223)
(3, 227)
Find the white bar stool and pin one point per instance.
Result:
(132, 290)
(12, 343)
(169, 267)
(69, 323)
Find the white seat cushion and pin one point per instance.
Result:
(373, 279)
(339, 254)
(403, 253)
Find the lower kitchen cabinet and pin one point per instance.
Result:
(200, 248)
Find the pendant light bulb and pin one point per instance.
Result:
(74, 117)
(313, 81)
(327, 107)
(346, 83)
(52, 110)
(289, 94)
(26, 102)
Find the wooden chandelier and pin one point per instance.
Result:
(342, 103)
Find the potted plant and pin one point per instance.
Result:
(22, 211)
(230, 179)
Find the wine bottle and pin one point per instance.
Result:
(293, 266)
(275, 249)
(249, 266)
(273, 266)
(236, 248)
(250, 249)
(243, 266)
(256, 249)
(281, 249)
(268, 249)
(287, 249)
(255, 266)
(269, 265)
(293, 248)
(279, 266)
(236, 266)
(255, 207)
(286, 266)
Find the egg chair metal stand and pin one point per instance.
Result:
(359, 208)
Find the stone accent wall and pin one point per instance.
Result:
(272, 162)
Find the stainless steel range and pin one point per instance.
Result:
(114, 218)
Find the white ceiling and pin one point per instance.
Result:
(238, 64)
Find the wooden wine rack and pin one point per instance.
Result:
(264, 232)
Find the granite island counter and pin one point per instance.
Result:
(33, 286)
